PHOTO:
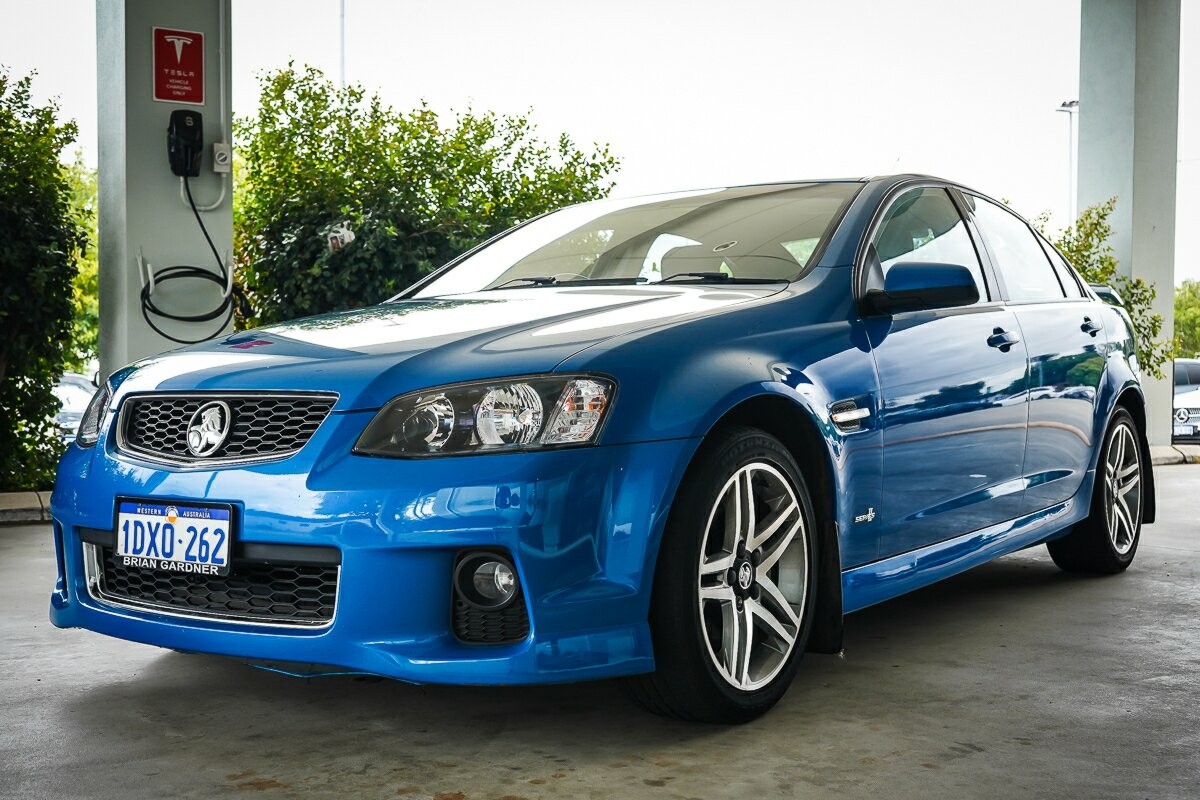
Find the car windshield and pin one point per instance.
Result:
(1187, 375)
(749, 235)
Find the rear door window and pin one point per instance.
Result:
(1023, 264)
(1066, 275)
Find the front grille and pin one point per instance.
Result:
(262, 427)
(273, 593)
(479, 626)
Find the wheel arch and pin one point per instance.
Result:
(1132, 400)
(800, 433)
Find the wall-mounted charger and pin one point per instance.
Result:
(185, 142)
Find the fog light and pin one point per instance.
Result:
(495, 581)
(486, 580)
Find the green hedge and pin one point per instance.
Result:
(39, 241)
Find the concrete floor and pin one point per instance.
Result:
(1012, 680)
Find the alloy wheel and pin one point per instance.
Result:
(753, 576)
(1123, 492)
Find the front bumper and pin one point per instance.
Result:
(582, 526)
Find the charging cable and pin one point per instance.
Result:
(213, 206)
(230, 294)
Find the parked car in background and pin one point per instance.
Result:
(73, 391)
(674, 439)
(1187, 401)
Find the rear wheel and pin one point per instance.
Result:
(735, 585)
(1107, 540)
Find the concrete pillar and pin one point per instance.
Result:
(140, 211)
(1128, 146)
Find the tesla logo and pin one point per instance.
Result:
(178, 66)
(179, 42)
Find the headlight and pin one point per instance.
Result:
(93, 417)
(491, 416)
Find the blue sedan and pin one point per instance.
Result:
(673, 439)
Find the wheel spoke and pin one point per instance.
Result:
(1125, 513)
(771, 558)
(1120, 457)
(772, 524)
(785, 636)
(731, 639)
(781, 604)
(733, 514)
(1121, 518)
(746, 647)
(722, 593)
(747, 522)
(717, 565)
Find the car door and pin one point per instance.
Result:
(1064, 334)
(952, 384)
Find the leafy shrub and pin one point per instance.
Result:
(413, 191)
(85, 328)
(1085, 244)
(39, 239)
(1187, 318)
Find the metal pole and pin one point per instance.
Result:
(1070, 108)
(342, 43)
(1071, 182)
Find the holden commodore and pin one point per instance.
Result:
(673, 439)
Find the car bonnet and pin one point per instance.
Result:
(370, 355)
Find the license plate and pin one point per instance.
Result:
(175, 537)
(1184, 430)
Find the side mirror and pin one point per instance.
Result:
(919, 285)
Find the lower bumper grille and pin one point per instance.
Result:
(488, 626)
(265, 593)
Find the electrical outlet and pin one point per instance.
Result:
(222, 157)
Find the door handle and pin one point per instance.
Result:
(1091, 327)
(1002, 339)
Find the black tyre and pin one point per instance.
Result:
(1107, 540)
(735, 585)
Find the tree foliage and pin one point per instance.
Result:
(39, 239)
(414, 191)
(1187, 318)
(1086, 245)
(85, 326)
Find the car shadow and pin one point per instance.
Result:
(257, 723)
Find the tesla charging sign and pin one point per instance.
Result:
(178, 66)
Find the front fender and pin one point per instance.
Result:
(679, 381)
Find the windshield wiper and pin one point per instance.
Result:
(548, 280)
(536, 280)
(720, 277)
(705, 276)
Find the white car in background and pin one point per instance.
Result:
(1187, 401)
(74, 392)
